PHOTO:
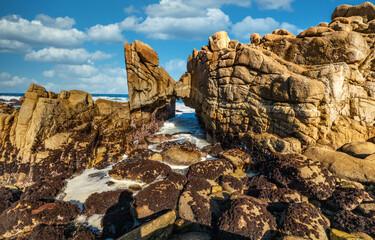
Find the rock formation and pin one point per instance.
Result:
(53, 134)
(284, 92)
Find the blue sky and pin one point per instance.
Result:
(74, 44)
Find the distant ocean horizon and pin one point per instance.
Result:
(112, 97)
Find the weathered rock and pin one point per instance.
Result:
(231, 184)
(349, 222)
(299, 173)
(192, 236)
(159, 228)
(340, 235)
(210, 169)
(46, 232)
(84, 233)
(155, 198)
(345, 199)
(304, 220)
(281, 195)
(343, 165)
(182, 154)
(7, 197)
(23, 216)
(144, 171)
(177, 179)
(237, 157)
(44, 189)
(99, 203)
(359, 149)
(194, 203)
(245, 218)
(367, 209)
(283, 93)
(147, 83)
(214, 150)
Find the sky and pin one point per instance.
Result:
(70, 44)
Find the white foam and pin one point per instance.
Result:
(181, 108)
(79, 188)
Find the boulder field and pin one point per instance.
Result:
(290, 119)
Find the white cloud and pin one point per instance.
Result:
(189, 8)
(14, 83)
(190, 28)
(61, 23)
(275, 4)
(131, 9)
(176, 67)
(66, 56)
(88, 78)
(12, 46)
(109, 33)
(34, 33)
(249, 25)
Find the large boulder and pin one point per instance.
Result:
(304, 220)
(210, 169)
(155, 198)
(343, 165)
(246, 218)
(300, 173)
(182, 154)
(143, 171)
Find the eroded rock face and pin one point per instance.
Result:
(282, 92)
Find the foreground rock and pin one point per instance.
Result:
(343, 165)
(304, 220)
(299, 173)
(182, 154)
(284, 92)
(246, 218)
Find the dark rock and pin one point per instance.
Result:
(210, 169)
(99, 203)
(47, 232)
(155, 198)
(231, 184)
(44, 189)
(138, 155)
(118, 219)
(246, 218)
(25, 215)
(345, 199)
(214, 150)
(7, 197)
(304, 220)
(84, 233)
(194, 203)
(347, 221)
(299, 173)
(178, 179)
(237, 157)
(281, 195)
(145, 171)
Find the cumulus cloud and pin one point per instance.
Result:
(131, 9)
(176, 67)
(12, 46)
(189, 8)
(88, 78)
(244, 29)
(67, 56)
(190, 28)
(35, 33)
(275, 4)
(10, 83)
(61, 23)
(109, 33)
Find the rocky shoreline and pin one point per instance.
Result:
(292, 156)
